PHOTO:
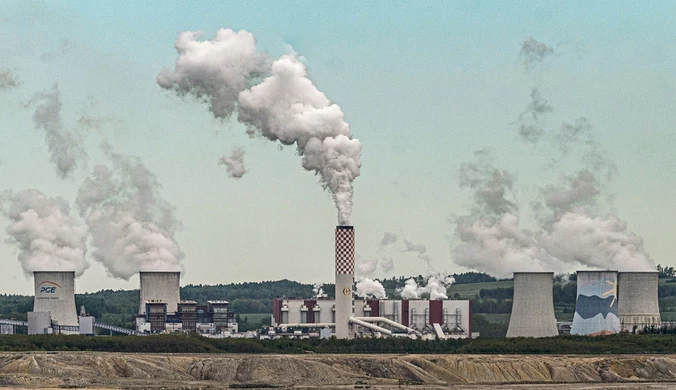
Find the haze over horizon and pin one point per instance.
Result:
(491, 138)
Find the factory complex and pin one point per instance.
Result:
(607, 302)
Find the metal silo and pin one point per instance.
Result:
(55, 293)
(638, 300)
(596, 307)
(160, 286)
(533, 306)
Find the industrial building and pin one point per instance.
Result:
(434, 318)
(638, 303)
(533, 306)
(596, 307)
(212, 319)
(160, 287)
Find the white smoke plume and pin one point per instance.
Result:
(365, 267)
(214, 71)
(286, 106)
(435, 287)
(534, 52)
(370, 288)
(234, 164)
(64, 146)
(597, 242)
(410, 290)
(421, 251)
(490, 186)
(131, 225)
(48, 237)
(318, 290)
(531, 128)
(8, 80)
(499, 248)
(388, 239)
(387, 264)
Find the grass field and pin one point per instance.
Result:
(469, 291)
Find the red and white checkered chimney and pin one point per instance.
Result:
(344, 279)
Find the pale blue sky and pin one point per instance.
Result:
(422, 85)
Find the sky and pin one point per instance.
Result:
(422, 86)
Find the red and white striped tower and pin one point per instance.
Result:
(344, 280)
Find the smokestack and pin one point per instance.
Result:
(55, 293)
(596, 310)
(160, 286)
(344, 279)
(533, 307)
(638, 305)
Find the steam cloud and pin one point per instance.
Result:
(131, 225)
(8, 80)
(318, 290)
(286, 106)
(64, 146)
(234, 164)
(534, 52)
(48, 237)
(435, 286)
(369, 288)
(570, 234)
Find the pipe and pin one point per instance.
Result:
(389, 322)
(307, 325)
(370, 326)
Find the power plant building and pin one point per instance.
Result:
(638, 303)
(55, 293)
(160, 287)
(453, 318)
(533, 306)
(596, 307)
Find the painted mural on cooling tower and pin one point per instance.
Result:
(596, 306)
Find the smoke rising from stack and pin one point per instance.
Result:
(572, 233)
(369, 288)
(534, 52)
(8, 80)
(48, 237)
(234, 164)
(285, 106)
(131, 225)
(435, 287)
(65, 147)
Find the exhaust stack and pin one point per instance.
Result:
(344, 280)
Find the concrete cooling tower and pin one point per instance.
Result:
(596, 308)
(638, 305)
(344, 279)
(533, 307)
(160, 286)
(55, 293)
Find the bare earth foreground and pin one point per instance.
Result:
(185, 371)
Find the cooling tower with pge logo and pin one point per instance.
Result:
(55, 293)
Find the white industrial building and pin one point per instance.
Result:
(390, 317)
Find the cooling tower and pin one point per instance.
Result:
(638, 304)
(344, 279)
(596, 308)
(55, 293)
(533, 307)
(160, 286)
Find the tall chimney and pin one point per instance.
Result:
(344, 279)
